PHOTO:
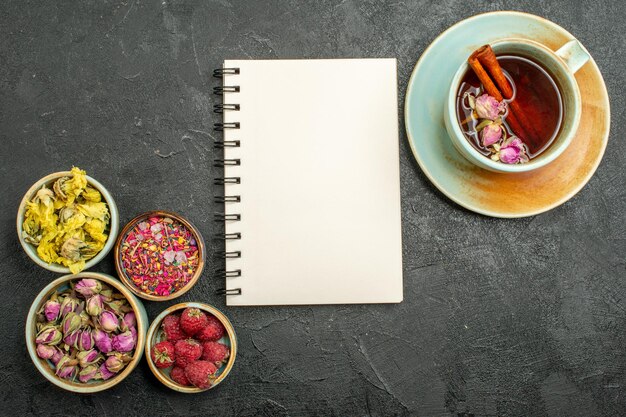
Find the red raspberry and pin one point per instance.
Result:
(193, 320)
(215, 352)
(163, 354)
(171, 327)
(187, 350)
(177, 374)
(214, 330)
(201, 373)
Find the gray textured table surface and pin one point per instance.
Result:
(510, 318)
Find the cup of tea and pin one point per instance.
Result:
(515, 105)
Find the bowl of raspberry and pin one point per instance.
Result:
(191, 347)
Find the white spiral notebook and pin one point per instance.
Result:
(311, 181)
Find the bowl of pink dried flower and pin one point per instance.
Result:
(191, 347)
(159, 255)
(86, 332)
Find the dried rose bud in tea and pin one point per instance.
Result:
(159, 255)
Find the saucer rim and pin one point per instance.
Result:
(475, 207)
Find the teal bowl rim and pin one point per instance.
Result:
(44, 367)
(31, 250)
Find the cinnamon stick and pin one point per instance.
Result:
(516, 118)
(493, 91)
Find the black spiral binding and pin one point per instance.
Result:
(223, 144)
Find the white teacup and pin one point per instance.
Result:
(561, 65)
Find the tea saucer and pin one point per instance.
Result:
(479, 190)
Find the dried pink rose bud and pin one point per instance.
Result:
(67, 372)
(45, 351)
(88, 287)
(69, 304)
(123, 342)
(52, 310)
(108, 321)
(88, 373)
(71, 322)
(491, 134)
(71, 339)
(114, 364)
(107, 294)
(512, 151)
(133, 332)
(94, 305)
(88, 357)
(49, 335)
(85, 340)
(103, 341)
(487, 107)
(105, 373)
(129, 320)
(58, 354)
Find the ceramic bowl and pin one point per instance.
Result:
(47, 368)
(31, 250)
(128, 281)
(155, 335)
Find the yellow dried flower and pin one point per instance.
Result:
(67, 223)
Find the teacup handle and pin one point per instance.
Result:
(573, 54)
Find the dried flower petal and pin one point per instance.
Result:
(87, 287)
(94, 305)
(108, 321)
(103, 341)
(52, 310)
(487, 107)
(123, 342)
(88, 373)
(48, 335)
(45, 351)
(491, 134)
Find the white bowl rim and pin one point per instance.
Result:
(31, 251)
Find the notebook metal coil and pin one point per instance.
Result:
(224, 162)
(221, 126)
(226, 89)
(224, 144)
(219, 72)
(231, 291)
(228, 274)
(220, 108)
(226, 180)
(222, 217)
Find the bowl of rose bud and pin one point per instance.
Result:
(86, 332)
(191, 347)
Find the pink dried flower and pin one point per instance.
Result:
(108, 321)
(123, 342)
(103, 341)
(105, 373)
(114, 364)
(88, 287)
(46, 351)
(511, 151)
(487, 107)
(129, 320)
(491, 134)
(88, 373)
(51, 310)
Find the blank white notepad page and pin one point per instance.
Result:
(320, 186)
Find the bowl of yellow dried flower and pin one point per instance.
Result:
(67, 222)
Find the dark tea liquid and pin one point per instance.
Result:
(535, 92)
